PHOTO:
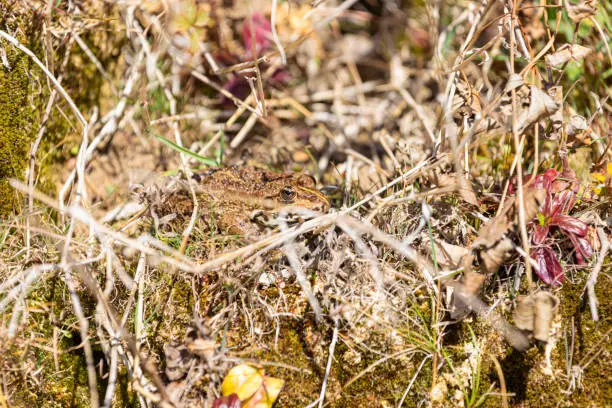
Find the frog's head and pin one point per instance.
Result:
(298, 190)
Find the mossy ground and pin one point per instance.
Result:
(19, 115)
(373, 363)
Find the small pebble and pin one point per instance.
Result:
(300, 156)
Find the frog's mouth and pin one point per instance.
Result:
(311, 198)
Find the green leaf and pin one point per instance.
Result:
(221, 148)
(541, 219)
(206, 160)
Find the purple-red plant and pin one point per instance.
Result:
(561, 195)
(262, 34)
(257, 35)
(228, 401)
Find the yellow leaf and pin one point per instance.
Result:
(243, 380)
(202, 17)
(273, 388)
(599, 177)
(266, 395)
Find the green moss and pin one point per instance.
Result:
(304, 346)
(523, 371)
(24, 93)
(18, 122)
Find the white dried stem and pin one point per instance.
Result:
(592, 281)
(275, 34)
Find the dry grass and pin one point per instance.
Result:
(425, 122)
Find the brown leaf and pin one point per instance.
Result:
(582, 10)
(533, 199)
(449, 254)
(541, 105)
(493, 231)
(177, 362)
(575, 127)
(565, 54)
(493, 242)
(469, 286)
(459, 183)
(556, 93)
(493, 257)
(518, 340)
(535, 313)
(514, 81)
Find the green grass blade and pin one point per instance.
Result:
(206, 160)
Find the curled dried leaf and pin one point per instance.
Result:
(533, 199)
(448, 254)
(462, 185)
(470, 285)
(468, 102)
(514, 81)
(493, 242)
(472, 302)
(496, 255)
(581, 10)
(565, 54)
(542, 105)
(575, 125)
(535, 313)
(177, 362)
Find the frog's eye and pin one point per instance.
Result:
(287, 194)
(306, 180)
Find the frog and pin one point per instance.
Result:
(236, 198)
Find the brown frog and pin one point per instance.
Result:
(233, 195)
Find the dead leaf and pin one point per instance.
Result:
(514, 81)
(449, 255)
(496, 255)
(556, 93)
(468, 102)
(575, 126)
(582, 10)
(535, 313)
(493, 243)
(470, 285)
(533, 199)
(565, 54)
(542, 105)
(177, 362)
(514, 336)
(459, 183)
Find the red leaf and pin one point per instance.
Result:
(551, 271)
(569, 224)
(549, 176)
(563, 202)
(583, 248)
(543, 180)
(540, 233)
(262, 33)
(229, 401)
(567, 178)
